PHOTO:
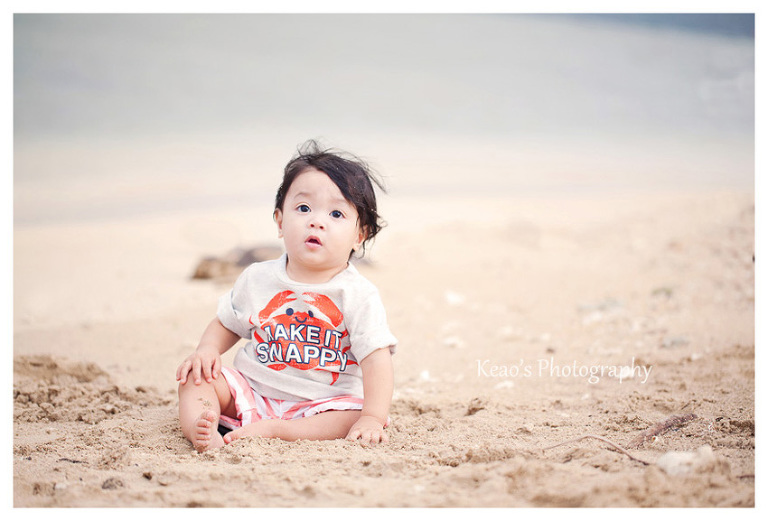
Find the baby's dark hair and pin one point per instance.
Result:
(352, 175)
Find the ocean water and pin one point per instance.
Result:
(124, 115)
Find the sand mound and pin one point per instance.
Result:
(51, 389)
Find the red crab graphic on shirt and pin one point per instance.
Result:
(302, 332)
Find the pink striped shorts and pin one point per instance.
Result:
(251, 407)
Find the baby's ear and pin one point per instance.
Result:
(362, 235)
(278, 217)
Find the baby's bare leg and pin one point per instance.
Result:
(329, 425)
(199, 409)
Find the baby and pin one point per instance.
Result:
(318, 364)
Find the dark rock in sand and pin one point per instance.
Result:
(233, 262)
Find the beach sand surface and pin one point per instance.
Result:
(524, 322)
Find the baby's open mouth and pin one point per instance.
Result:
(313, 240)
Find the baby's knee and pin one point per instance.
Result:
(191, 385)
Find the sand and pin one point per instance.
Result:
(524, 322)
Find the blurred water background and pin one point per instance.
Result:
(123, 115)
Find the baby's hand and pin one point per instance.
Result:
(205, 362)
(368, 430)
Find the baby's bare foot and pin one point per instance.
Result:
(206, 434)
(262, 428)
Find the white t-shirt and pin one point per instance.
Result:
(306, 340)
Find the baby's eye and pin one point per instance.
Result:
(303, 208)
(337, 214)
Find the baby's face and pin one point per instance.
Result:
(319, 227)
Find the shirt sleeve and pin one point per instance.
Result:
(368, 328)
(234, 311)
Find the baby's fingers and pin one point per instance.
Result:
(376, 437)
(206, 367)
(196, 364)
(367, 437)
(183, 371)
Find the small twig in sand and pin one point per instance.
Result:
(676, 420)
(71, 460)
(604, 440)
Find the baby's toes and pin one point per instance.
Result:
(210, 416)
(205, 423)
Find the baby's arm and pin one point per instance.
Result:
(378, 384)
(206, 359)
